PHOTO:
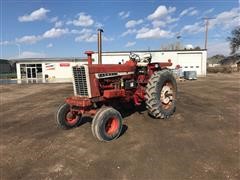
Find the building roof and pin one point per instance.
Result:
(71, 59)
(4, 61)
(181, 50)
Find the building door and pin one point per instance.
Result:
(31, 72)
(190, 62)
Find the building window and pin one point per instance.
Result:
(191, 66)
(31, 65)
(197, 66)
(185, 67)
(23, 71)
(31, 71)
(39, 70)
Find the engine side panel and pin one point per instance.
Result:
(108, 71)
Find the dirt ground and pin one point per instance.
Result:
(201, 140)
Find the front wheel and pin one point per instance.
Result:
(107, 124)
(65, 118)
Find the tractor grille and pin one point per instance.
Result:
(80, 81)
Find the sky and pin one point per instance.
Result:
(57, 28)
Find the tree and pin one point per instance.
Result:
(197, 48)
(172, 46)
(234, 40)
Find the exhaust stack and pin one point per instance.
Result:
(100, 46)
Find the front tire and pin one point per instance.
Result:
(107, 124)
(161, 93)
(65, 119)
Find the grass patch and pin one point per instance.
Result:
(8, 76)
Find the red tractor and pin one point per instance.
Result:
(99, 88)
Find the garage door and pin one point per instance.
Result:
(190, 62)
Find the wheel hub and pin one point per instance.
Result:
(166, 94)
(111, 126)
(71, 118)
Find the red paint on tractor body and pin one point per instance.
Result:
(89, 55)
(112, 126)
(78, 101)
(114, 93)
(106, 68)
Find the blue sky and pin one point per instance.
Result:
(67, 28)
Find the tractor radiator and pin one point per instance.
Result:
(81, 84)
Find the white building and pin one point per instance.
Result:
(60, 69)
(189, 60)
(46, 69)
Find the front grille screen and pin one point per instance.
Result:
(80, 81)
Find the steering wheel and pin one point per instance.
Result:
(134, 57)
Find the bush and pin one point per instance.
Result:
(8, 76)
(221, 69)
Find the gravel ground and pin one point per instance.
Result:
(201, 140)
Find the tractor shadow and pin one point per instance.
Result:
(85, 119)
(124, 129)
(124, 111)
(128, 111)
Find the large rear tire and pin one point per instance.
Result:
(161, 93)
(65, 119)
(107, 124)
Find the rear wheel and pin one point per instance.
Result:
(161, 94)
(107, 124)
(65, 118)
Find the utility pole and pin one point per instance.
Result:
(206, 30)
(206, 33)
(19, 49)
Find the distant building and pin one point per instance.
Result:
(5, 66)
(213, 65)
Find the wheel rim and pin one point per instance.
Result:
(167, 95)
(111, 126)
(71, 119)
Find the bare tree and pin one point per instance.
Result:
(172, 46)
(234, 40)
